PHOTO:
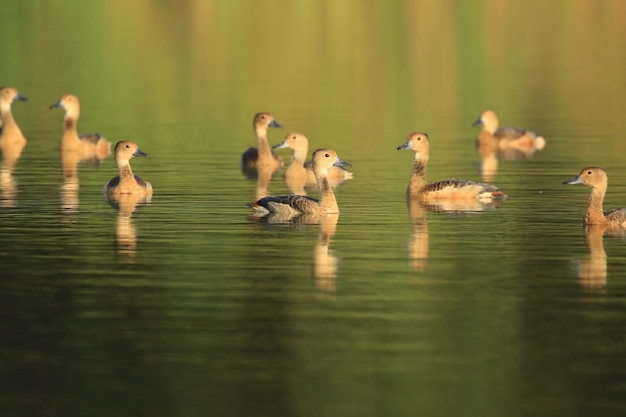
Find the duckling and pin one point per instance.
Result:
(300, 173)
(455, 189)
(90, 145)
(126, 182)
(9, 130)
(596, 178)
(507, 139)
(262, 155)
(323, 160)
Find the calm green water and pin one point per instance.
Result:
(189, 308)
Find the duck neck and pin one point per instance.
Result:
(490, 125)
(299, 156)
(10, 129)
(263, 145)
(595, 213)
(70, 132)
(418, 176)
(126, 174)
(328, 202)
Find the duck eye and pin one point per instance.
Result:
(293, 137)
(589, 172)
(127, 146)
(327, 156)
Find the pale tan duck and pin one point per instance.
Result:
(89, 145)
(511, 142)
(596, 178)
(255, 159)
(300, 173)
(323, 160)
(126, 182)
(9, 130)
(455, 189)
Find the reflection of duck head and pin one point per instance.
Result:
(125, 232)
(324, 263)
(419, 245)
(69, 195)
(7, 188)
(487, 150)
(592, 272)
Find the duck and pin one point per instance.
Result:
(323, 160)
(300, 173)
(251, 158)
(596, 178)
(511, 142)
(90, 145)
(126, 182)
(455, 189)
(9, 130)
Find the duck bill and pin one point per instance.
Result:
(139, 152)
(18, 97)
(573, 181)
(341, 163)
(406, 145)
(58, 104)
(280, 145)
(274, 123)
(478, 121)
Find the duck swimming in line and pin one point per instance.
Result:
(126, 182)
(90, 145)
(596, 178)
(323, 160)
(262, 157)
(455, 189)
(299, 173)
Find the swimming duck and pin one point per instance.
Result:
(596, 178)
(262, 155)
(126, 182)
(300, 173)
(9, 130)
(455, 189)
(90, 145)
(506, 138)
(323, 160)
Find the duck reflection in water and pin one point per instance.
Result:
(507, 143)
(593, 271)
(419, 243)
(125, 232)
(12, 142)
(71, 185)
(324, 262)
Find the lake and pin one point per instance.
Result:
(187, 306)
